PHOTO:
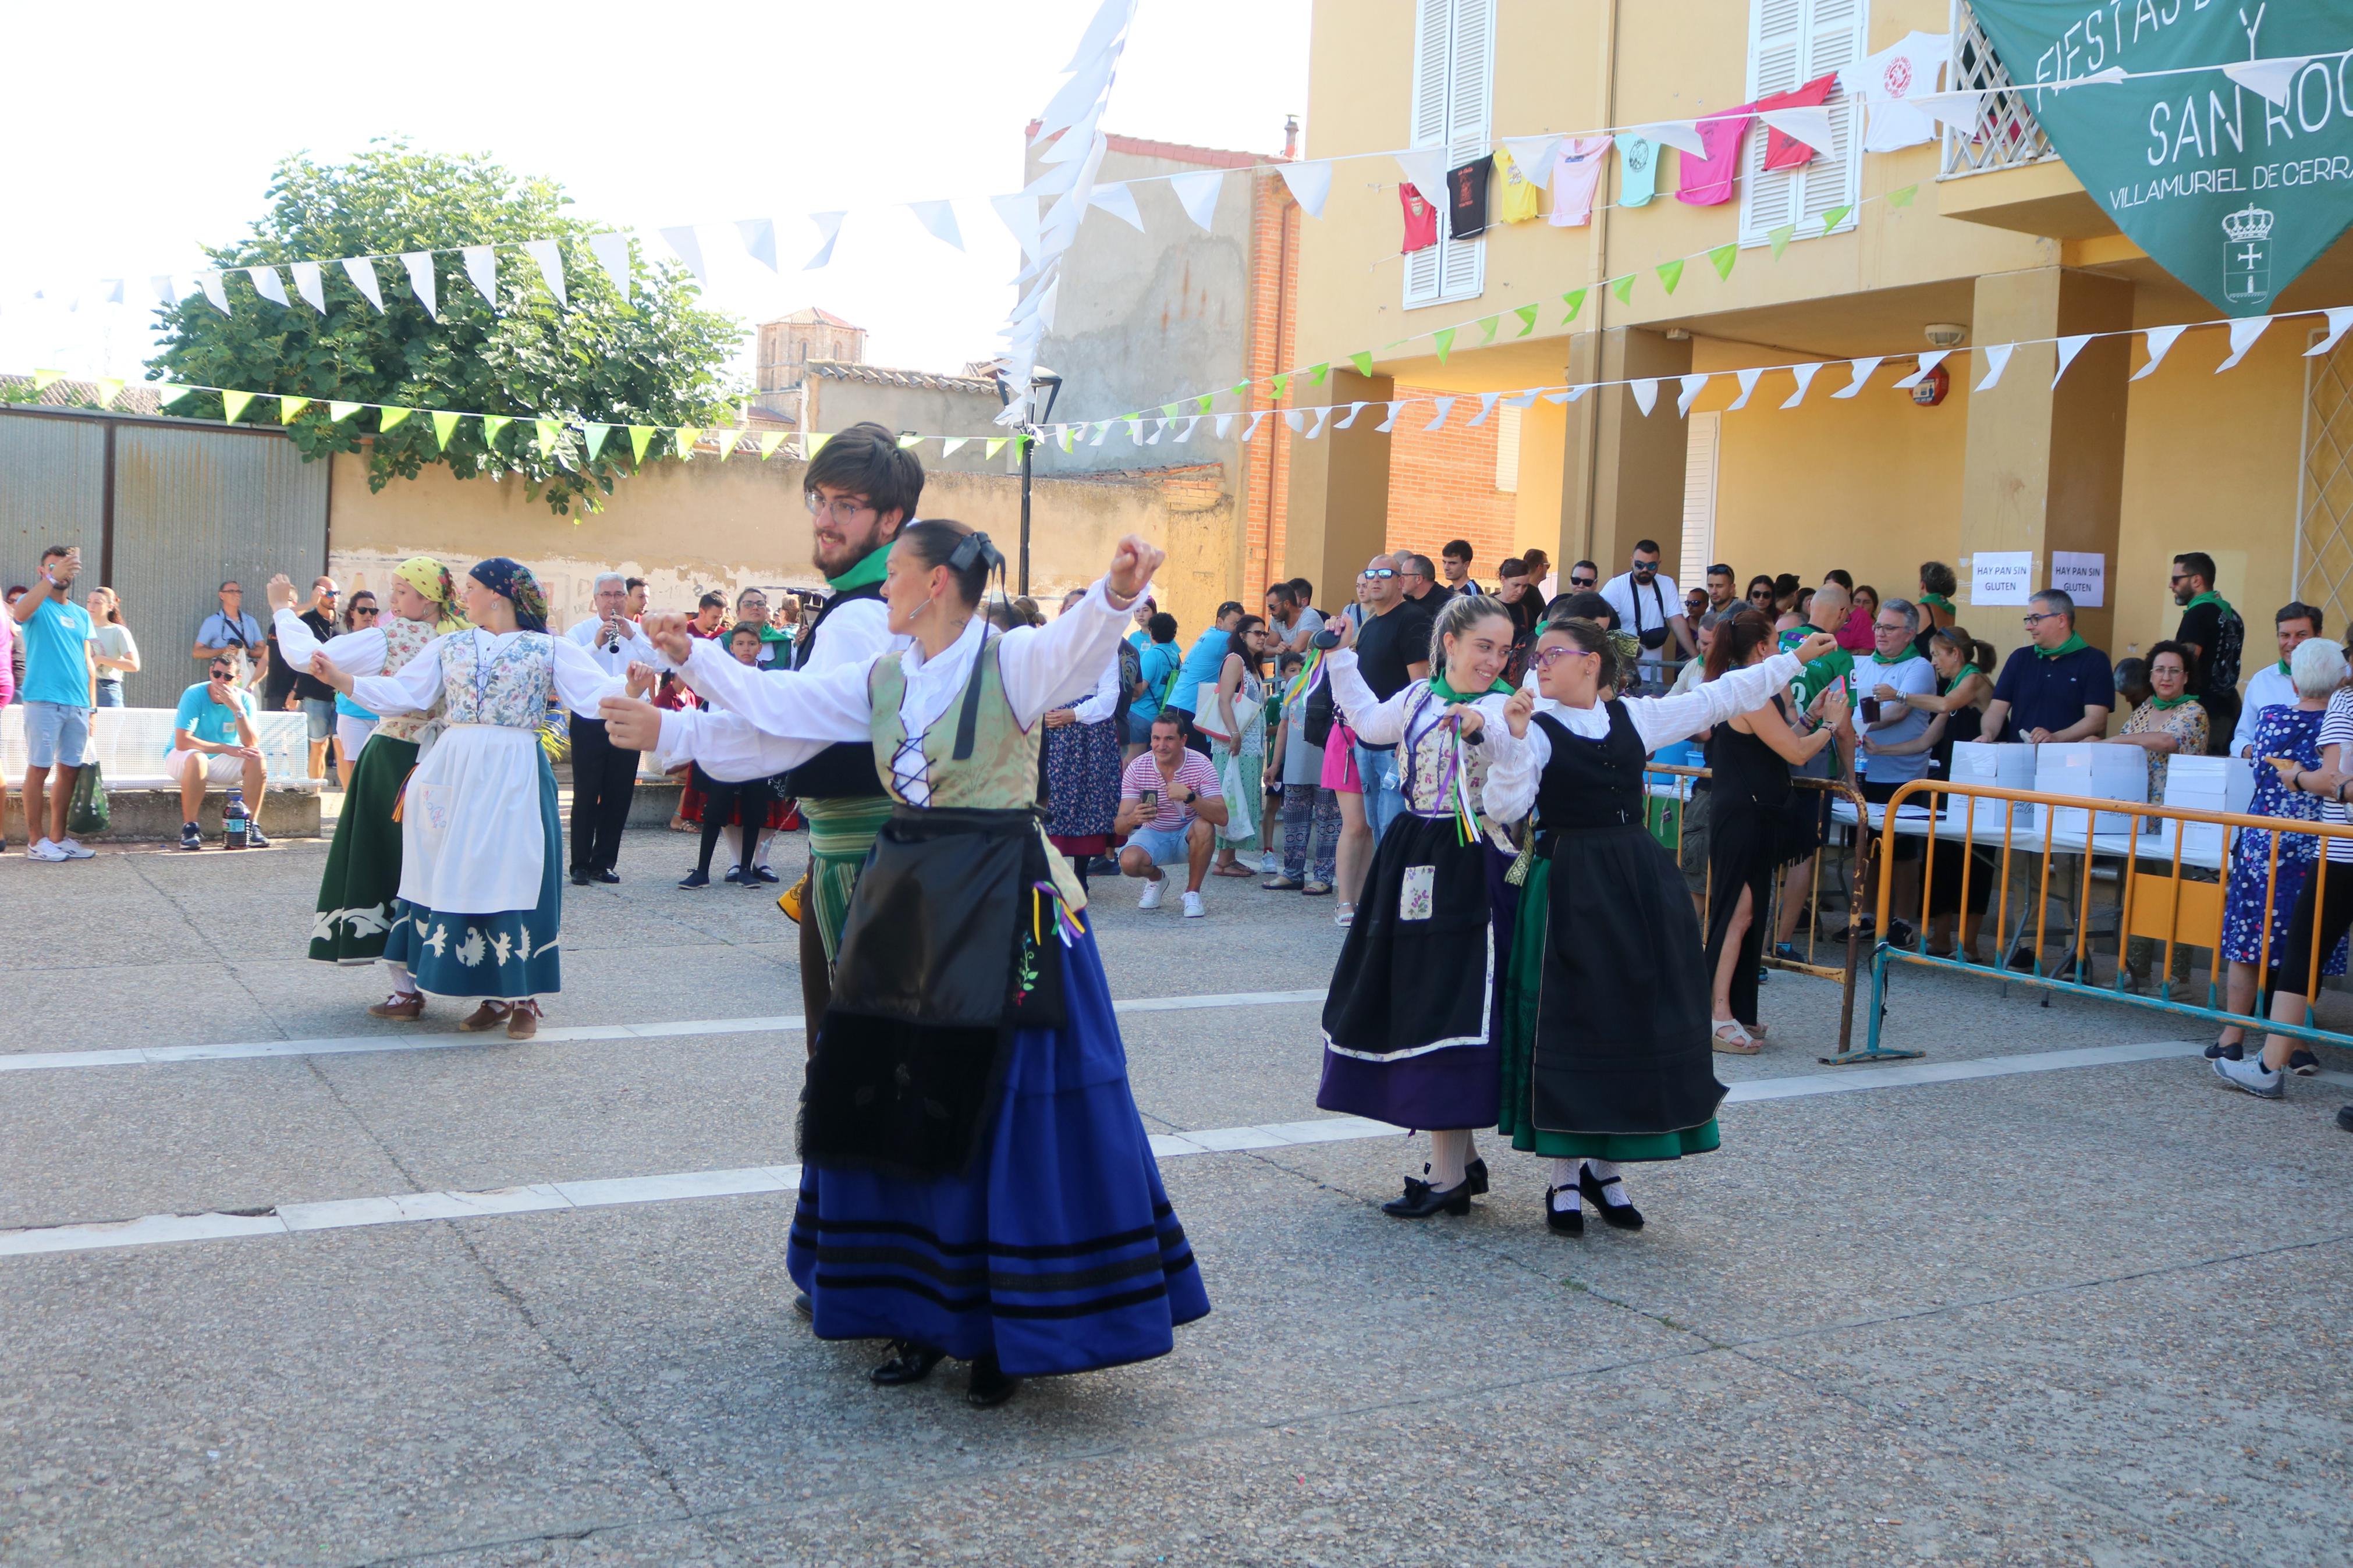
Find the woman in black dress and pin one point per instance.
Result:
(1749, 757)
(1963, 689)
(1614, 1064)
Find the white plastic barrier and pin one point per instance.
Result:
(129, 744)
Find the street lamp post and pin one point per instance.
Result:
(1037, 409)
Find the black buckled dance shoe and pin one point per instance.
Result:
(989, 1387)
(1421, 1200)
(1622, 1216)
(1475, 1173)
(909, 1362)
(1567, 1222)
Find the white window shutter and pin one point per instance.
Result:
(1777, 34)
(1432, 53)
(1454, 96)
(1507, 449)
(1791, 42)
(1833, 41)
(1699, 497)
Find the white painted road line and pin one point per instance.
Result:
(357, 1045)
(404, 1208)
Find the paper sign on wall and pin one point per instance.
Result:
(2082, 576)
(2001, 577)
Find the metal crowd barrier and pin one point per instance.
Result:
(2052, 844)
(1838, 962)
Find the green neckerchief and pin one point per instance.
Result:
(2163, 703)
(1444, 692)
(2074, 643)
(1938, 600)
(2283, 667)
(2213, 598)
(1961, 675)
(1909, 654)
(871, 568)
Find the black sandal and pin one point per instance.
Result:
(1622, 1216)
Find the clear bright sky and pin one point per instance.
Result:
(144, 131)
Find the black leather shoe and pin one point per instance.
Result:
(989, 1386)
(581, 879)
(1622, 1216)
(1475, 1173)
(909, 1362)
(1567, 1221)
(2345, 1117)
(804, 1306)
(1421, 1200)
(608, 874)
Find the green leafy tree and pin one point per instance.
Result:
(651, 358)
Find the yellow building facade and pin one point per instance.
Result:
(1997, 239)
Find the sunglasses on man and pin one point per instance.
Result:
(1582, 581)
(1379, 574)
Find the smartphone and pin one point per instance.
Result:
(1151, 799)
(1327, 639)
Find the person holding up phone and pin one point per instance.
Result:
(215, 742)
(1171, 806)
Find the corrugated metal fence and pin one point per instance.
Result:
(164, 509)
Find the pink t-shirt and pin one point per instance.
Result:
(1710, 180)
(1174, 816)
(1576, 172)
(1420, 219)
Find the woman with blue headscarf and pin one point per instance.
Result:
(482, 845)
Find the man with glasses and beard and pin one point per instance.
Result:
(1650, 606)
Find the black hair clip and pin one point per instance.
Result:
(974, 549)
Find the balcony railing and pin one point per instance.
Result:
(2008, 134)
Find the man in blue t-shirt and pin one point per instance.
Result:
(2058, 686)
(1203, 661)
(1157, 666)
(216, 741)
(57, 702)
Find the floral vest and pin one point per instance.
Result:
(404, 640)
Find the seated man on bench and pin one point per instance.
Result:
(215, 741)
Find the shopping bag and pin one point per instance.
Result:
(87, 812)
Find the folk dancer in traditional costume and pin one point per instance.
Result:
(363, 878)
(976, 1181)
(1606, 1056)
(481, 871)
(1409, 1028)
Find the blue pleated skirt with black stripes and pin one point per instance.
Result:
(1059, 1251)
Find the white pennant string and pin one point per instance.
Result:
(2339, 318)
(1103, 428)
(210, 282)
(612, 253)
(950, 443)
(1197, 195)
(1523, 400)
(1865, 369)
(1354, 409)
(1323, 413)
(268, 284)
(2242, 337)
(1929, 361)
(362, 272)
(2270, 78)
(308, 284)
(1256, 420)
(1805, 375)
(1135, 431)
(2160, 340)
(758, 235)
(1486, 407)
(2069, 347)
(1445, 406)
(689, 246)
(482, 268)
(1645, 389)
(1389, 424)
(1187, 433)
(939, 220)
(1119, 202)
(1691, 389)
(1159, 428)
(1532, 157)
(829, 225)
(1997, 361)
(1295, 417)
(162, 285)
(419, 264)
(550, 259)
(1807, 126)
(1309, 183)
(1425, 171)
(1748, 379)
(1225, 426)
(1019, 215)
(1683, 135)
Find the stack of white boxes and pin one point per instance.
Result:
(1995, 765)
(2097, 770)
(2207, 784)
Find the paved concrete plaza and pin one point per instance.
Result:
(2072, 1304)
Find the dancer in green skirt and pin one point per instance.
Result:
(354, 911)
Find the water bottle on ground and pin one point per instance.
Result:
(235, 821)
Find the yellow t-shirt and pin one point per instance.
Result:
(1516, 202)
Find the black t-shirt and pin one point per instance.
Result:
(1466, 198)
(2219, 640)
(1435, 600)
(1386, 644)
(307, 685)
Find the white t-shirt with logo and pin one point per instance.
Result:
(1905, 69)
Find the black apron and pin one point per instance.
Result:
(1622, 1039)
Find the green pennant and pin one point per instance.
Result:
(290, 406)
(339, 412)
(1019, 442)
(233, 403)
(641, 438)
(1241, 389)
(727, 439)
(1281, 385)
(1903, 198)
(1722, 258)
(1487, 329)
(1066, 437)
(769, 442)
(45, 379)
(993, 444)
(110, 387)
(1623, 288)
(1316, 372)
(1527, 315)
(596, 441)
(812, 443)
(1362, 359)
(1671, 273)
(909, 439)
(1171, 410)
(492, 425)
(166, 394)
(1575, 300)
(1201, 405)
(1836, 216)
(444, 425)
(1444, 340)
(1780, 237)
(390, 418)
(550, 432)
(685, 436)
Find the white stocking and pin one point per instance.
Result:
(403, 983)
(1604, 1171)
(768, 834)
(1562, 1182)
(1448, 1153)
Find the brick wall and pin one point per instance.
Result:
(1274, 293)
(1443, 486)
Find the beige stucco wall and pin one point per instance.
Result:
(689, 527)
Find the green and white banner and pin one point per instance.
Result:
(2234, 177)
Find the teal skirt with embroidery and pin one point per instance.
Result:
(504, 957)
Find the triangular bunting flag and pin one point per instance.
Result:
(1805, 375)
(549, 258)
(1389, 424)
(1532, 157)
(1363, 360)
(110, 387)
(1316, 372)
(2243, 334)
(2339, 318)
(1256, 420)
(1445, 406)
(1836, 216)
(949, 444)
(1748, 379)
(419, 264)
(828, 225)
(492, 425)
(1119, 200)
(1723, 256)
(1997, 361)
(1691, 390)
(1527, 315)
(1019, 215)
(307, 283)
(1134, 430)
(684, 438)
(1780, 235)
(812, 443)
(1283, 384)
(361, 270)
(1171, 410)
(1864, 369)
(1929, 361)
(1487, 329)
(45, 379)
(689, 246)
(1903, 198)
(1187, 433)
(993, 444)
(1486, 407)
(595, 441)
(1354, 409)
(268, 284)
(444, 425)
(1323, 413)
(769, 441)
(641, 438)
(1671, 273)
(2268, 78)
(758, 238)
(288, 407)
(612, 253)
(2069, 347)
(1623, 288)
(1646, 393)
(549, 432)
(167, 394)
(1425, 171)
(210, 282)
(1309, 183)
(2160, 340)
(1444, 339)
(1681, 134)
(1575, 300)
(233, 403)
(482, 270)
(390, 417)
(727, 437)
(908, 438)
(939, 218)
(1295, 417)
(1196, 193)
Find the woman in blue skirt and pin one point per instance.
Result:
(976, 1181)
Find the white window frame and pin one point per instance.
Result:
(1452, 107)
(1702, 451)
(1508, 426)
(1817, 36)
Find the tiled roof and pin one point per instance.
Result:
(133, 399)
(810, 316)
(883, 375)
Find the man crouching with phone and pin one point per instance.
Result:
(1170, 806)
